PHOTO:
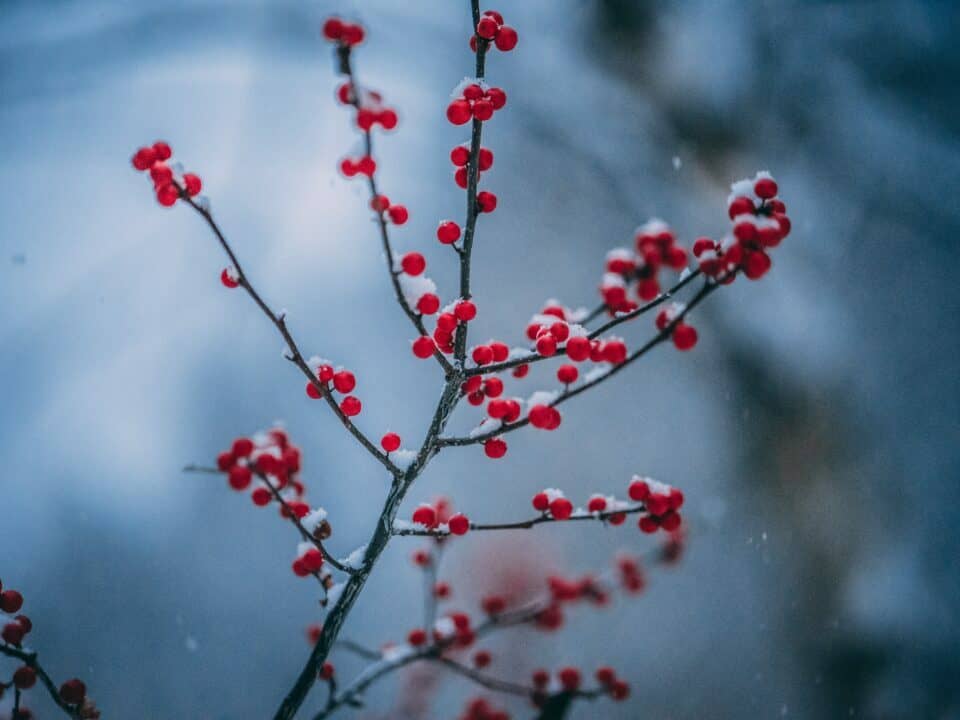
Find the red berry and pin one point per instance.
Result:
(144, 158)
(225, 461)
(428, 304)
(348, 167)
(344, 381)
(380, 203)
(561, 508)
(648, 524)
(639, 490)
(459, 524)
(390, 442)
(326, 671)
(765, 188)
(465, 311)
(740, 206)
(423, 347)
(485, 160)
(481, 658)
(495, 448)
(240, 477)
(684, 336)
(25, 677)
(459, 112)
(541, 502)
(388, 119)
(446, 322)
(493, 604)
(497, 97)
(12, 633)
(620, 690)
(312, 559)
(162, 150)
(605, 675)
(425, 515)
(486, 201)
(506, 38)
(413, 263)
(350, 406)
(757, 264)
(567, 374)
(229, 278)
(417, 637)
(495, 15)
(493, 387)
(351, 34)
(73, 691)
(261, 496)
(333, 28)
(398, 214)
(460, 155)
(192, 184)
(597, 504)
(482, 355)
(569, 678)
(482, 109)
(242, 447)
(546, 345)
(520, 371)
(578, 348)
(487, 27)
(167, 194)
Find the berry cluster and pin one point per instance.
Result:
(343, 382)
(168, 183)
(276, 461)
(460, 157)
(474, 99)
(492, 29)
(345, 33)
(759, 222)
(72, 693)
(638, 270)
(452, 316)
(370, 112)
(661, 501)
(438, 516)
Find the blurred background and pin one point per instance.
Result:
(814, 429)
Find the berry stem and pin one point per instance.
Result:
(473, 176)
(522, 524)
(29, 658)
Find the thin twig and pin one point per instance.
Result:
(279, 321)
(29, 657)
(290, 514)
(521, 524)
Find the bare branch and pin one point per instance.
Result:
(521, 524)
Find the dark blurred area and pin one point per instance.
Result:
(814, 430)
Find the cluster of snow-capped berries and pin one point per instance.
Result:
(492, 29)
(438, 515)
(168, 184)
(474, 99)
(343, 32)
(73, 692)
(760, 223)
(633, 276)
(661, 505)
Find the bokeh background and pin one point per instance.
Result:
(814, 429)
